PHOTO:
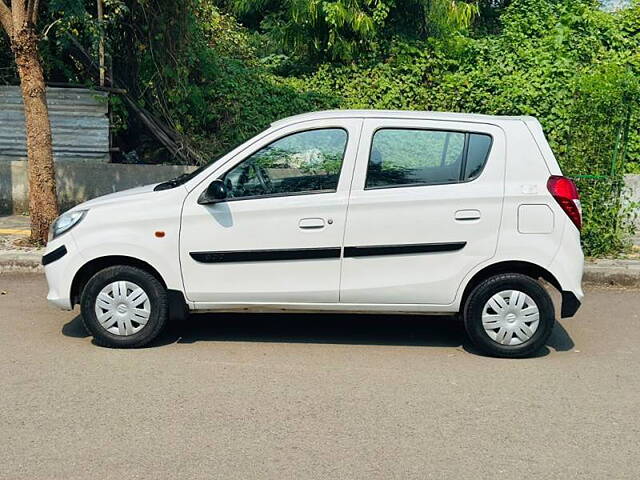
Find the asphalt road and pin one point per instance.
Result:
(314, 397)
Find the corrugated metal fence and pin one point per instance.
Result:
(79, 124)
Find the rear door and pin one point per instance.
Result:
(278, 236)
(425, 208)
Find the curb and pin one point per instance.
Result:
(21, 262)
(622, 273)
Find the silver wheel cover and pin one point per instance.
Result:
(510, 317)
(122, 308)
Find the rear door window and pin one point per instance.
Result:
(405, 157)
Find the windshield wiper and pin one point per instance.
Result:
(174, 182)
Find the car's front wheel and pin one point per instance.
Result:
(509, 315)
(124, 307)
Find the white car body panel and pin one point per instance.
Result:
(121, 228)
(267, 224)
(421, 215)
(520, 162)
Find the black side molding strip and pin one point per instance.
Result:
(319, 253)
(266, 255)
(57, 254)
(377, 250)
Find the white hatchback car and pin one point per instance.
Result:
(338, 211)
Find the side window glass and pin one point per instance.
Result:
(479, 146)
(425, 157)
(303, 162)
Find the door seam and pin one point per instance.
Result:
(346, 213)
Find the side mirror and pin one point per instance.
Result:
(215, 192)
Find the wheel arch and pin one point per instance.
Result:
(93, 266)
(512, 266)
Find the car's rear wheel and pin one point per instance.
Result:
(509, 315)
(124, 307)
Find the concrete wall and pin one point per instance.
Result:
(79, 181)
(632, 183)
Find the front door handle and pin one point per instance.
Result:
(311, 223)
(465, 215)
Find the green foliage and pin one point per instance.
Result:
(220, 101)
(189, 64)
(345, 30)
(608, 215)
(210, 87)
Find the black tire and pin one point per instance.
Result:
(481, 294)
(155, 291)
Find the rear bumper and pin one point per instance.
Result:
(567, 267)
(570, 304)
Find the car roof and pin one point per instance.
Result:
(404, 114)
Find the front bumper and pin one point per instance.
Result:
(60, 265)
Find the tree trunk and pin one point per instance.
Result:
(43, 204)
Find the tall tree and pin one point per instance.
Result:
(18, 18)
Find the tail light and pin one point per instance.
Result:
(566, 194)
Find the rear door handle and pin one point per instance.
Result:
(311, 223)
(463, 215)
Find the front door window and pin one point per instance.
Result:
(303, 162)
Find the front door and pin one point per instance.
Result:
(425, 209)
(278, 236)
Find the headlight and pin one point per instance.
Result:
(65, 222)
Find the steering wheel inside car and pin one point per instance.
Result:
(263, 177)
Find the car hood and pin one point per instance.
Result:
(114, 197)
